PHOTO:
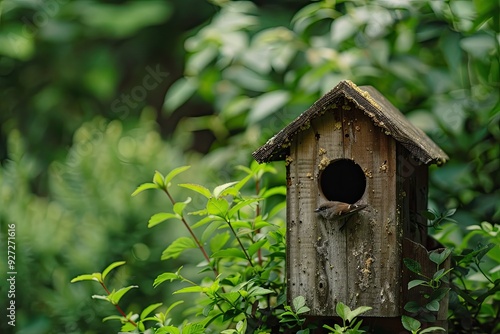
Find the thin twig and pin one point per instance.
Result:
(195, 238)
(118, 307)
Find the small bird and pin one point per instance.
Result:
(333, 211)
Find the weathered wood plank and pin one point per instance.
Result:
(301, 231)
(331, 284)
(373, 246)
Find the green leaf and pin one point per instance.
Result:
(342, 310)
(450, 212)
(281, 190)
(113, 317)
(190, 289)
(111, 267)
(439, 294)
(165, 277)
(277, 209)
(179, 206)
(266, 104)
(438, 274)
(171, 307)
(410, 324)
(414, 283)
(259, 291)
(115, 296)
(174, 173)
(88, 277)
(101, 297)
(218, 191)
(428, 214)
(168, 330)
(439, 256)
(143, 187)
(218, 241)
(242, 182)
(158, 218)
(206, 220)
(298, 302)
(179, 92)
(177, 247)
(256, 246)
(217, 207)
(412, 265)
(241, 205)
(211, 229)
(412, 307)
(229, 252)
(432, 306)
(354, 313)
(196, 187)
(158, 179)
(432, 329)
(149, 309)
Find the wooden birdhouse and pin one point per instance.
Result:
(353, 145)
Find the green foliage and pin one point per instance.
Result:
(431, 305)
(69, 68)
(247, 258)
(293, 316)
(413, 325)
(350, 325)
(473, 291)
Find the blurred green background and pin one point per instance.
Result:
(96, 95)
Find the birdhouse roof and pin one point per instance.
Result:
(382, 113)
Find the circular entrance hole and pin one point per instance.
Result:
(343, 180)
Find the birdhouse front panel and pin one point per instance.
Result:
(342, 156)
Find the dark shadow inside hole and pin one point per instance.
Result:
(343, 180)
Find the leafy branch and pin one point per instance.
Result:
(163, 183)
(112, 296)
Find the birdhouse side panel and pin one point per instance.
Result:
(412, 183)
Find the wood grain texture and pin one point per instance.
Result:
(360, 265)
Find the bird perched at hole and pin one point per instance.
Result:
(334, 211)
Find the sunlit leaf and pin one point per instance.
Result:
(220, 189)
(111, 267)
(357, 311)
(241, 205)
(88, 277)
(143, 187)
(160, 217)
(178, 246)
(190, 289)
(229, 252)
(149, 309)
(174, 173)
(179, 206)
(198, 188)
(217, 206)
(159, 180)
(218, 241)
(256, 246)
(115, 296)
